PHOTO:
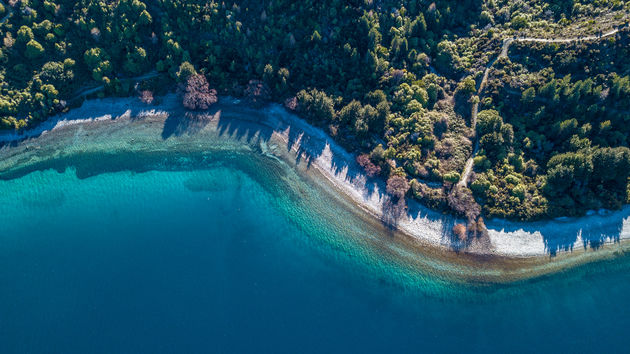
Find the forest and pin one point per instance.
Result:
(392, 81)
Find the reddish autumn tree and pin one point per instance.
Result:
(370, 168)
(291, 103)
(198, 94)
(460, 231)
(257, 93)
(397, 186)
(461, 200)
(146, 96)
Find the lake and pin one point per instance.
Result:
(227, 249)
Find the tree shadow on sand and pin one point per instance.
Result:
(307, 144)
(562, 234)
(188, 123)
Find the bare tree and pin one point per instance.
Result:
(291, 103)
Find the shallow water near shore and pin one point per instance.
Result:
(228, 249)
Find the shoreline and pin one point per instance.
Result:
(516, 249)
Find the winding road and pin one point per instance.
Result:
(463, 182)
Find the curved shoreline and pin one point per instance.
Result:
(512, 250)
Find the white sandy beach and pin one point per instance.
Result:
(508, 239)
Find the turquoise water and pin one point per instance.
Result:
(230, 250)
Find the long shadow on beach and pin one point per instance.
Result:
(255, 125)
(562, 234)
(187, 123)
(306, 143)
(309, 143)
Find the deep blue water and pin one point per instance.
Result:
(240, 256)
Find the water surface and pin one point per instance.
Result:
(226, 249)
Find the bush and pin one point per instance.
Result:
(315, 105)
(291, 103)
(477, 228)
(451, 177)
(146, 96)
(519, 22)
(186, 69)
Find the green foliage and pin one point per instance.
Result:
(316, 105)
(24, 34)
(447, 58)
(519, 22)
(186, 69)
(528, 95)
(495, 137)
(594, 178)
(467, 86)
(33, 50)
(396, 78)
(58, 74)
(136, 61)
(451, 177)
(145, 18)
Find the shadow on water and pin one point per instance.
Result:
(305, 142)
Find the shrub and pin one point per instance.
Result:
(451, 177)
(477, 228)
(315, 105)
(519, 22)
(291, 103)
(33, 49)
(186, 70)
(440, 127)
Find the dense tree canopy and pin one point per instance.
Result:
(394, 81)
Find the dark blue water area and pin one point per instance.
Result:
(210, 262)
